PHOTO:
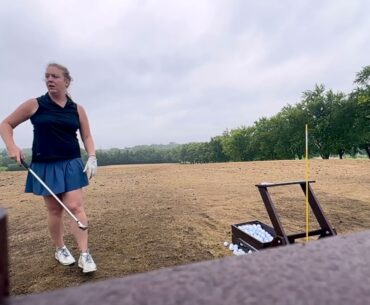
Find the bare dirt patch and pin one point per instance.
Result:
(146, 217)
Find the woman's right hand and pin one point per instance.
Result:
(15, 153)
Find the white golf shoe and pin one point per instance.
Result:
(86, 262)
(63, 256)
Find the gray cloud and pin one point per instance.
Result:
(179, 71)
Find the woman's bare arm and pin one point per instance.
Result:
(21, 114)
(85, 132)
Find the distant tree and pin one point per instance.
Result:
(319, 107)
(292, 131)
(363, 78)
(217, 153)
(236, 144)
(360, 97)
(343, 118)
(265, 139)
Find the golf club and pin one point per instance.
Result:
(79, 223)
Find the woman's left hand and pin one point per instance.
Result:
(91, 167)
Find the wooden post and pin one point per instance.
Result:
(4, 273)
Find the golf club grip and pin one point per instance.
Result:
(24, 163)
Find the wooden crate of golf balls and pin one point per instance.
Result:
(253, 235)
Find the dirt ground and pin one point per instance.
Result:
(146, 217)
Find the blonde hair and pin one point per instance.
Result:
(64, 69)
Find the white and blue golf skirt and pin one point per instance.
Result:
(60, 176)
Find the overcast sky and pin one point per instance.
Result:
(160, 71)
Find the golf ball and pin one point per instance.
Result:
(257, 232)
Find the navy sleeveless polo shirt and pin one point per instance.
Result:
(55, 131)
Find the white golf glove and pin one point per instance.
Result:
(91, 167)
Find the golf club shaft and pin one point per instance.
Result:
(52, 193)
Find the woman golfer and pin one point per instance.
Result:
(56, 158)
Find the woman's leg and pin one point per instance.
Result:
(74, 201)
(55, 220)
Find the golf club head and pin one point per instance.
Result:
(81, 226)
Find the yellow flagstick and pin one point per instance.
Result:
(307, 177)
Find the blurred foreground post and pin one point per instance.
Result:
(4, 275)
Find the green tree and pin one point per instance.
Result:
(360, 97)
(217, 153)
(319, 107)
(292, 131)
(236, 143)
(264, 139)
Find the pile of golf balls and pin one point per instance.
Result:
(256, 231)
(235, 248)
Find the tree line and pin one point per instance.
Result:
(338, 123)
